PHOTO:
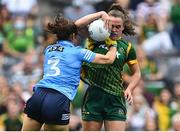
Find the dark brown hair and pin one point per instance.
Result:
(117, 11)
(62, 27)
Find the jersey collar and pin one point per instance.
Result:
(65, 43)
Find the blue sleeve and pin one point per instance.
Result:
(87, 55)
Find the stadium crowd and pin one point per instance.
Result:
(22, 41)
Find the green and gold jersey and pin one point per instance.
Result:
(108, 76)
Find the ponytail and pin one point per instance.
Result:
(62, 27)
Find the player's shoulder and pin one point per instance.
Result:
(75, 49)
(123, 43)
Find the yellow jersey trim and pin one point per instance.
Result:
(131, 62)
(128, 49)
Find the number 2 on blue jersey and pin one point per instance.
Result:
(54, 69)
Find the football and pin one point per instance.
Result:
(97, 31)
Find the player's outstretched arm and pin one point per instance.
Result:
(108, 58)
(84, 21)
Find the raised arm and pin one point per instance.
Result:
(106, 59)
(83, 21)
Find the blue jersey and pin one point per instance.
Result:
(62, 67)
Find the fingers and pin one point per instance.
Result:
(129, 98)
(108, 24)
(105, 17)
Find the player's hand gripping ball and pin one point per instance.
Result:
(97, 30)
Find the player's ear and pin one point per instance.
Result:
(71, 37)
(74, 38)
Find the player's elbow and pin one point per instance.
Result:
(110, 61)
(138, 75)
(103, 60)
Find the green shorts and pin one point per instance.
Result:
(99, 105)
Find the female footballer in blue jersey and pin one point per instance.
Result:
(50, 103)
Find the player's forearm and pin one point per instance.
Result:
(135, 78)
(83, 21)
(108, 58)
(111, 54)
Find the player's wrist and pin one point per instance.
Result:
(109, 42)
(114, 45)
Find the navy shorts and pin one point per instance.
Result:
(48, 106)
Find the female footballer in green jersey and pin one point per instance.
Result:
(104, 101)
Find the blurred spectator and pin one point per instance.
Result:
(151, 125)
(176, 97)
(27, 93)
(23, 94)
(42, 27)
(30, 30)
(21, 7)
(175, 122)
(27, 71)
(154, 10)
(149, 28)
(1, 63)
(126, 5)
(166, 42)
(6, 19)
(148, 66)
(138, 113)
(2, 36)
(5, 26)
(4, 92)
(175, 20)
(18, 41)
(142, 90)
(166, 4)
(159, 44)
(12, 120)
(163, 108)
(78, 9)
